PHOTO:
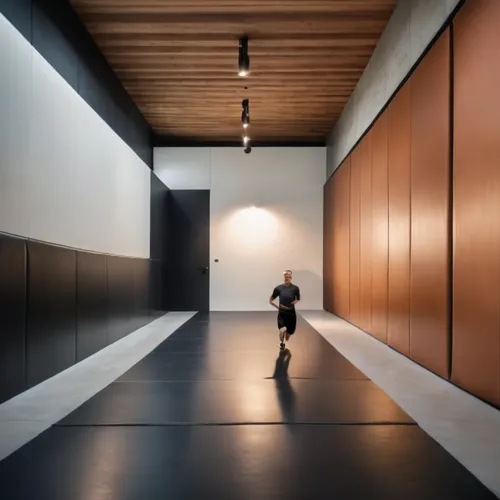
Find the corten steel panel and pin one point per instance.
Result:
(430, 197)
(331, 253)
(399, 164)
(341, 235)
(365, 234)
(327, 245)
(344, 182)
(326, 272)
(334, 244)
(380, 228)
(476, 278)
(354, 217)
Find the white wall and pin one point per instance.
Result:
(65, 176)
(266, 215)
(411, 28)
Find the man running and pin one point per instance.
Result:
(289, 295)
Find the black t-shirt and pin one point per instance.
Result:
(287, 294)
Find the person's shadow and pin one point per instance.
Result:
(286, 394)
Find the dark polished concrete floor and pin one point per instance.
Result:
(217, 412)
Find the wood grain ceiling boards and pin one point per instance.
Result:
(178, 60)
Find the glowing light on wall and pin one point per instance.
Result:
(252, 228)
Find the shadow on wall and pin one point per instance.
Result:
(310, 285)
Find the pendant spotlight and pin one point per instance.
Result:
(245, 113)
(243, 58)
(246, 143)
(245, 120)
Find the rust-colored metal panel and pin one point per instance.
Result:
(476, 277)
(342, 226)
(331, 254)
(399, 162)
(365, 233)
(327, 245)
(380, 228)
(354, 282)
(430, 198)
(336, 244)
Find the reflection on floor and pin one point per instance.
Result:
(27, 415)
(465, 426)
(216, 411)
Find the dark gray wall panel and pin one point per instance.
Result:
(18, 12)
(159, 219)
(120, 282)
(189, 250)
(51, 316)
(52, 36)
(12, 315)
(91, 298)
(141, 315)
(157, 290)
(159, 249)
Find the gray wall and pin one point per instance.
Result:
(411, 28)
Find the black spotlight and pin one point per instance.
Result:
(243, 58)
(248, 150)
(245, 113)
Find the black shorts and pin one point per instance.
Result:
(287, 320)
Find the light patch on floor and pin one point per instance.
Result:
(463, 425)
(27, 415)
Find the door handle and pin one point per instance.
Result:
(205, 270)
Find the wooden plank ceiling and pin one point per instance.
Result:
(178, 59)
